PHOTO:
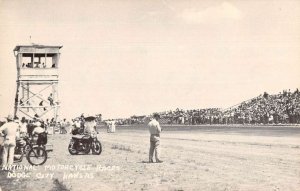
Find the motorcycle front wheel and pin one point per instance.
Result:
(37, 156)
(96, 147)
(72, 149)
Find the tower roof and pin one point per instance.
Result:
(17, 48)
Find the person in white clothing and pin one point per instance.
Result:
(38, 128)
(76, 127)
(155, 130)
(113, 126)
(90, 125)
(9, 130)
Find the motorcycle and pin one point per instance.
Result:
(35, 155)
(84, 144)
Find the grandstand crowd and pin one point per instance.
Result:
(281, 108)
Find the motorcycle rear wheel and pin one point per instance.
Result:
(72, 150)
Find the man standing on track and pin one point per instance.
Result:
(155, 131)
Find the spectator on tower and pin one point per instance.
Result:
(50, 99)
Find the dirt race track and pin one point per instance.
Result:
(202, 158)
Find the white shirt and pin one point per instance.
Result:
(10, 130)
(63, 123)
(113, 123)
(38, 130)
(90, 127)
(77, 124)
(154, 127)
(23, 128)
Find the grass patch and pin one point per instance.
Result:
(122, 148)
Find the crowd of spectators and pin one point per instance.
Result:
(37, 65)
(128, 121)
(281, 108)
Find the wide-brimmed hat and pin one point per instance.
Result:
(90, 118)
(156, 115)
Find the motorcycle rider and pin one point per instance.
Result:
(90, 125)
(40, 133)
(85, 126)
(76, 129)
(87, 140)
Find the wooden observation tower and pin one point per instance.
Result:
(37, 80)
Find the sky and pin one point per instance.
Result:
(121, 58)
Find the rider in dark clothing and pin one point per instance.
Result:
(30, 127)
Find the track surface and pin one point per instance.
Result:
(195, 158)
